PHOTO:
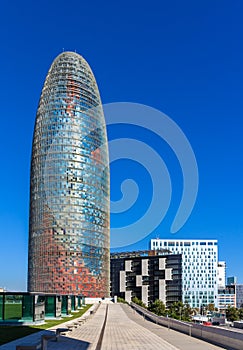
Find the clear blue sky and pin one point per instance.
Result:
(184, 58)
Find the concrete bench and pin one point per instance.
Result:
(36, 346)
(81, 321)
(45, 338)
(42, 345)
(70, 326)
(60, 331)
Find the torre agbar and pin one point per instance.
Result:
(69, 237)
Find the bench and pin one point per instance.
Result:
(36, 346)
(81, 321)
(44, 340)
(70, 326)
(59, 331)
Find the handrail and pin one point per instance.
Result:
(218, 336)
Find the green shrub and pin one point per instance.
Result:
(139, 302)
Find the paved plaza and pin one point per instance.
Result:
(124, 330)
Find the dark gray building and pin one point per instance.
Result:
(147, 275)
(239, 295)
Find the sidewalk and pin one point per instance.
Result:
(179, 340)
(36, 337)
(122, 333)
(125, 330)
(83, 337)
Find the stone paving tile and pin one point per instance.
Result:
(69, 344)
(83, 337)
(125, 330)
(36, 337)
(180, 340)
(121, 333)
(30, 339)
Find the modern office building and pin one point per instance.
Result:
(226, 297)
(69, 234)
(239, 295)
(231, 280)
(199, 268)
(221, 273)
(147, 275)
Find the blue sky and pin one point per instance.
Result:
(183, 58)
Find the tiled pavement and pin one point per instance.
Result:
(36, 337)
(30, 339)
(125, 330)
(121, 333)
(179, 340)
(82, 337)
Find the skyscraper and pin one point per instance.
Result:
(69, 233)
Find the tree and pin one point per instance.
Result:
(232, 314)
(211, 307)
(138, 302)
(180, 311)
(158, 307)
(175, 310)
(240, 313)
(121, 300)
(187, 312)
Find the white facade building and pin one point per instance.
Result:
(199, 268)
(226, 297)
(221, 274)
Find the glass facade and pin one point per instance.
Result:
(28, 308)
(50, 307)
(18, 307)
(66, 307)
(31, 307)
(13, 307)
(69, 236)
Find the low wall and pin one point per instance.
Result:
(97, 300)
(222, 337)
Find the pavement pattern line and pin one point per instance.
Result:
(121, 333)
(125, 330)
(180, 340)
(36, 337)
(85, 336)
(29, 339)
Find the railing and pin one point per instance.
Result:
(218, 336)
